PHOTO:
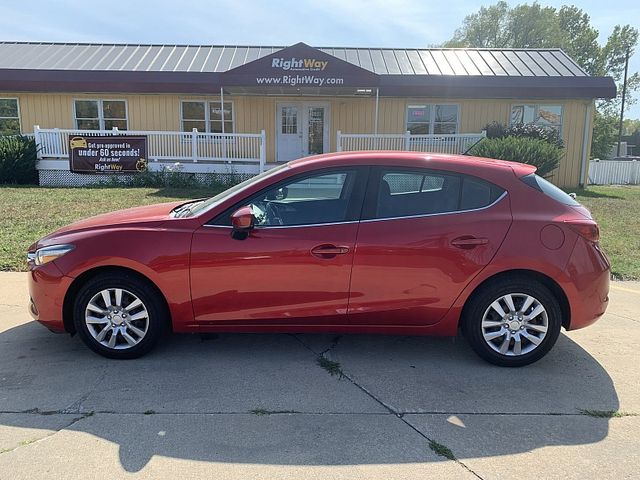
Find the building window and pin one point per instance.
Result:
(9, 116)
(432, 119)
(207, 116)
(543, 115)
(100, 114)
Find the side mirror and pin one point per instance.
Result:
(242, 221)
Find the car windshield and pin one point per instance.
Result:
(199, 207)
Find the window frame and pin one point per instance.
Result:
(432, 116)
(19, 113)
(537, 106)
(369, 209)
(207, 115)
(101, 117)
(354, 207)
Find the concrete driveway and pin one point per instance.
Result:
(261, 406)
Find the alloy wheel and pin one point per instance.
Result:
(117, 318)
(515, 324)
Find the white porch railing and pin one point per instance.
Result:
(197, 151)
(614, 172)
(445, 143)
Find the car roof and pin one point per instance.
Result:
(419, 159)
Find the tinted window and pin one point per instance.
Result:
(548, 189)
(413, 192)
(313, 199)
(477, 193)
(402, 194)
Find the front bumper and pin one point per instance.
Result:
(47, 289)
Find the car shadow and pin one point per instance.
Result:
(264, 399)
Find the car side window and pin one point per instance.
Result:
(313, 199)
(405, 193)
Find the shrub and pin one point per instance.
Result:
(172, 176)
(528, 130)
(18, 160)
(533, 151)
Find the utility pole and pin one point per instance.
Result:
(624, 94)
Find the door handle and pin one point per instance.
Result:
(328, 251)
(467, 242)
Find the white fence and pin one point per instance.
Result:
(445, 143)
(197, 152)
(614, 172)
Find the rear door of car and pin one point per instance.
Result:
(424, 235)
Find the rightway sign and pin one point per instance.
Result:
(108, 154)
(300, 66)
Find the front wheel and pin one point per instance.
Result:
(512, 322)
(119, 315)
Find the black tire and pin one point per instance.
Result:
(481, 301)
(150, 297)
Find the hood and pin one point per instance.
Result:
(148, 216)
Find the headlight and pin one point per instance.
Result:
(48, 254)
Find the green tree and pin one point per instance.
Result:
(580, 39)
(569, 28)
(605, 134)
(631, 126)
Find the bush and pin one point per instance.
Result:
(533, 151)
(172, 176)
(18, 160)
(528, 130)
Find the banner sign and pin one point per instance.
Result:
(300, 66)
(109, 154)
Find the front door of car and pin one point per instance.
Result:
(424, 235)
(294, 266)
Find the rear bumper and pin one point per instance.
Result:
(590, 274)
(47, 289)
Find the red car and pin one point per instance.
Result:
(394, 243)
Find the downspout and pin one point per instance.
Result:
(222, 107)
(585, 144)
(224, 139)
(375, 122)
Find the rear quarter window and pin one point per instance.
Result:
(477, 193)
(549, 189)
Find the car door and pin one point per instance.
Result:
(424, 235)
(295, 265)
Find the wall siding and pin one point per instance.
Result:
(348, 114)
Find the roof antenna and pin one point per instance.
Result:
(466, 152)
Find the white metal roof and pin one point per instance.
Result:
(546, 62)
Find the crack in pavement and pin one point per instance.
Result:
(623, 316)
(76, 406)
(36, 411)
(48, 435)
(389, 408)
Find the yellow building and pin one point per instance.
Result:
(210, 107)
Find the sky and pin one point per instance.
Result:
(326, 23)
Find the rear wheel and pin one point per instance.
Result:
(513, 321)
(119, 315)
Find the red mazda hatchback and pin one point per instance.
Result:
(373, 242)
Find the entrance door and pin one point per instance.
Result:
(289, 132)
(302, 130)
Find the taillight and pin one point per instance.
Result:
(586, 229)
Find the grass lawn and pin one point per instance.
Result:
(617, 211)
(28, 213)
